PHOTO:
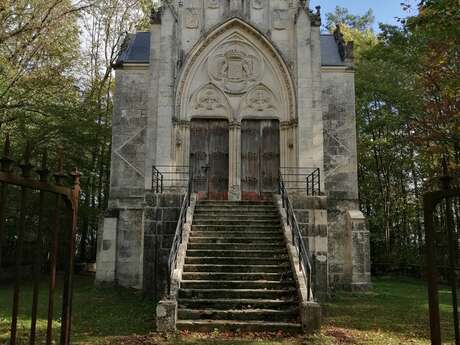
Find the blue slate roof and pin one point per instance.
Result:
(137, 50)
(330, 52)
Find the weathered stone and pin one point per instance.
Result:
(310, 314)
(166, 316)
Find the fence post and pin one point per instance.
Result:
(452, 247)
(68, 280)
(43, 172)
(26, 168)
(431, 271)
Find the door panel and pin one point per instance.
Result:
(260, 158)
(270, 157)
(209, 158)
(250, 144)
(218, 160)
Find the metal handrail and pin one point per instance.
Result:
(297, 239)
(167, 178)
(178, 237)
(157, 180)
(302, 179)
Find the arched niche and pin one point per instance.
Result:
(209, 102)
(259, 103)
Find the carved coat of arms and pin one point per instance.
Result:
(235, 68)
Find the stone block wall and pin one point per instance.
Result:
(349, 262)
(129, 125)
(160, 222)
(311, 214)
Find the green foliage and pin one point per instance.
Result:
(341, 15)
(56, 87)
(408, 124)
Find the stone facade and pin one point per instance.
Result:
(232, 60)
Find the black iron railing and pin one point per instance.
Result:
(302, 179)
(170, 177)
(297, 239)
(178, 237)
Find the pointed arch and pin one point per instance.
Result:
(259, 102)
(236, 57)
(209, 101)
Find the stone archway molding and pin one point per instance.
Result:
(235, 57)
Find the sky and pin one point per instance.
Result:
(385, 11)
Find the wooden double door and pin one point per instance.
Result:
(209, 158)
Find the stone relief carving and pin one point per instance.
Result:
(235, 67)
(210, 101)
(191, 18)
(213, 3)
(260, 101)
(258, 4)
(280, 19)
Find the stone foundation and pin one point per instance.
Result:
(311, 214)
(161, 216)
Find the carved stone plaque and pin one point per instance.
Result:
(258, 4)
(191, 18)
(280, 19)
(235, 67)
(213, 3)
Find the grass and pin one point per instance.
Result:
(394, 313)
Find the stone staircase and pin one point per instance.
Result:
(237, 274)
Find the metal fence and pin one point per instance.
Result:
(32, 238)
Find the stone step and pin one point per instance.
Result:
(238, 268)
(225, 304)
(227, 202)
(255, 211)
(246, 222)
(261, 294)
(287, 315)
(237, 253)
(279, 240)
(246, 209)
(235, 325)
(236, 284)
(235, 246)
(241, 260)
(239, 276)
(237, 227)
(218, 235)
(231, 217)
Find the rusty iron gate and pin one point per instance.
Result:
(32, 185)
(442, 231)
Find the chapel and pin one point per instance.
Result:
(233, 147)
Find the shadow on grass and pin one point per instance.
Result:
(395, 306)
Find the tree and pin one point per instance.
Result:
(341, 15)
(408, 125)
